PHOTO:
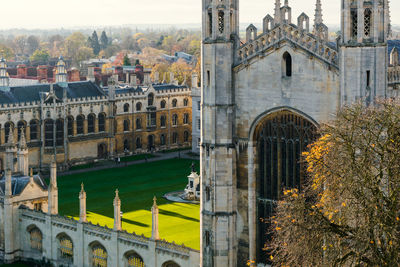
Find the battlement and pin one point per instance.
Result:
(394, 75)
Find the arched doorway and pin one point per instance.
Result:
(101, 151)
(280, 138)
(150, 142)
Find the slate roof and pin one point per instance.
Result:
(392, 44)
(31, 93)
(138, 89)
(18, 183)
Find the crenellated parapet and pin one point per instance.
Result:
(394, 76)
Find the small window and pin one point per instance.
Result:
(207, 238)
(210, 23)
(162, 121)
(91, 123)
(186, 136)
(287, 64)
(367, 22)
(150, 99)
(34, 129)
(198, 105)
(126, 125)
(163, 104)
(174, 120)
(162, 140)
(79, 124)
(368, 78)
(198, 124)
(138, 124)
(138, 143)
(354, 23)
(70, 122)
(174, 103)
(185, 102)
(138, 106)
(174, 138)
(185, 118)
(102, 122)
(126, 107)
(221, 21)
(208, 78)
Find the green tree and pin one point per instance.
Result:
(95, 44)
(127, 61)
(84, 53)
(104, 43)
(6, 52)
(72, 44)
(348, 214)
(40, 55)
(33, 43)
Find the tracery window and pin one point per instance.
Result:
(21, 125)
(7, 126)
(66, 249)
(170, 264)
(354, 23)
(91, 122)
(49, 133)
(150, 99)
(367, 22)
(33, 125)
(70, 122)
(79, 124)
(210, 23)
(99, 256)
(60, 132)
(221, 21)
(36, 238)
(102, 122)
(134, 260)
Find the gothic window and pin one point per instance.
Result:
(185, 118)
(21, 125)
(174, 102)
(102, 122)
(287, 64)
(170, 264)
(7, 127)
(186, 136)
(152, 119)
(138, 143)
(207, 238)
(138, 106)
(49, 133)
(210, 23)
(185, 102)
(70, 125)
(60, 132)
(367, 22)
(354, 23)
(174, 120)
(133, 260)
(221, 21)
(126, 125)
(126, 145)
(281, 139)
(162, 121)
(208, 192)
(163, 104)
(65, 249)
(174, 138)
(91, 122)
(36, 238)
(79, 124)
(98, 256)
(162, 140)
(33, 125)
(138, 124)
(126, 107)
(150, 99)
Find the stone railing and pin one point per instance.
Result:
(174, 249)
(394, 75)
(287, 32)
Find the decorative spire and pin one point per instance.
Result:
(82, 188)
(277, 15)
(82, 205)
(154, 226)
(22, 140)
(286, 3)
(31, 172)
(117, 212)
(318, 13)
(154, 202)
(10, 140)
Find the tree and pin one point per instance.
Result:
(20, 44)
(40, 55)
(94, 43)
(104, 43)
(348, 212)
(126, 61)
(84, 53)
(72, 45)
(33, 43)
(182, 71)
(6, 52)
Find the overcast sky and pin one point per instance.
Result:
(68, 13)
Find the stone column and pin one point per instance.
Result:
(154, 226)
(53, 190)
(82, 205)
(252, 204)
(85, 126)
(117, 212)
(74, 127)
(96, 125)
(8, 219)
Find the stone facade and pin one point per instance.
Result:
(263, 98)
(196, 115)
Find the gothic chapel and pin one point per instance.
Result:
(263, 99)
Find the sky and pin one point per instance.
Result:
(77, 13)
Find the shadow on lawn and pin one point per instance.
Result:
(135, 223)
(175, 214)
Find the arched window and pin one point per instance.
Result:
(49, 133)
(221, 21)
(36, 238)
(150, 99)
(70, 122)
(79, 124)
(162, 140)
(21, 125)
(367, 22)
(91, 122)
(60, 132)
(138, 143)
(133, 259)
(354, 22)
(138, 124)
(33, 125)
(163, 121)
(127, 147)
(174, 103)
(185, 102)
(174, 138)
(138, 106)
(185, 118)
(281, 138)
(98, 255)
(170, 264)
(185, 136)
(163, 104)
(102, 122)
(65, 249)
(287, 64)
(174, 120)
(7, 126)
(126, 125)
(126, 107)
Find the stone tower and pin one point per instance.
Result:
(363, 50)
(61, 73)
(218, 198)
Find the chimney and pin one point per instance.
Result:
(42, 73)
(22, 71)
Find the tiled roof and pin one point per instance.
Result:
(18, 184)
(392, 44)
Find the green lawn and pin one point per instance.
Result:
(137, 185)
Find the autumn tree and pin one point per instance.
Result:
(182, 71)
(32, 43)
(41, 56)
(6, 52)
(75, 47)
(348, 212)
(20, 44)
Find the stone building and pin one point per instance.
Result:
(196, 115)
(262, 100)
(79, 121)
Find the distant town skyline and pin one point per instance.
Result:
(48, 14)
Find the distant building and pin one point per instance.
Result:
(196, 114)
(179, 55)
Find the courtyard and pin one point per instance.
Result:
(137, 185)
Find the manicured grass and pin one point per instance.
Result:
(137, 185)
(14, 265)
(137, 157)
(176, 149)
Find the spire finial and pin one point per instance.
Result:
(82, 188)
(22, 140)
(318, 13)
(286, 2)
(116, 193)
(11, 136)
(31, 172)
(154, 201)
(277, 14)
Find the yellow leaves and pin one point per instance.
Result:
(251, 263)
(278, 228)
(324, 248)
(397, 219)
(372, 242)
(343, 204)
(271, 257)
